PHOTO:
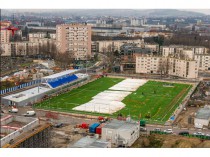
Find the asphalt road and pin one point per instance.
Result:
(176, 130)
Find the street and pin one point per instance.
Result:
(176, 130)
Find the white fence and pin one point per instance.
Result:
(16, 133)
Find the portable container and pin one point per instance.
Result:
(99, 129)
(84, 126)
(92, 128)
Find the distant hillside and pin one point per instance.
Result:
(110, 12)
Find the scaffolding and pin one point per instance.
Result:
(36, 138)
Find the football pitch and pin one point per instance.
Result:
(79, 96)
(154, 101)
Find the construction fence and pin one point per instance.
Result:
(32, 83)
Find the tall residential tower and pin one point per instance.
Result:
(75, 39)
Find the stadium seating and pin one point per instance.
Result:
(63, 80)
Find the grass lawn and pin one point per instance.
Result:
(153, 98)
(81, 95)
(156, 100)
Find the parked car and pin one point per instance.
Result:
(143, 129)
(157, 129)
(198, 133)
(168, 131)
(29, 113)
(184, 133)
(59, 125)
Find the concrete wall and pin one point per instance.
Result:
(16, 133)
(126, 135)
(199, 123)
(7, 119)
(109, 134)
(24, 102)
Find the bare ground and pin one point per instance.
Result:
(170, 141)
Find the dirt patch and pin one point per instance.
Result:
(66, 136)
(170, 141)
(183, 120)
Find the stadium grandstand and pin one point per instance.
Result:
(59, 79)
(49, 84)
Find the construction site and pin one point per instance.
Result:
(19, 132)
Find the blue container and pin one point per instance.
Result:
(92, 128)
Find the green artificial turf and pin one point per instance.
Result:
(80, 95)
(154, 99)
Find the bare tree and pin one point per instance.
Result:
(20, 50)
(104, 49)
(1, 51)
(164, 67)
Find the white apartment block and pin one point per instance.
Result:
(105, 45)
(173, 66)
(24, 48)
(183, 68)
(148, 64)
(203, 61)
(36, 37)
(174, 50)
(197, 53)
(152, 47)
(74, 38)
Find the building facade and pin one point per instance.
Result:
(5, 34)
(151, 64)
(203, 61)
(121, 132)
(107, 45)
(27, 47)
(148, 64)
(183, 68)
(75, 39)
(36, 37)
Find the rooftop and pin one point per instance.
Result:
(90, 142)
(18, 97)
(60, 74)
(122, 125)
(203, 113)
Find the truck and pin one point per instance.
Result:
(29, 113)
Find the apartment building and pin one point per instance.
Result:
(26, 47)
(5, 34)
(148, 64)
(75, 39)
(106, 45)
(167, 65)
(175, 50)
(6, 49)
(152, 47)
(197, 53)
(36, 37)
(183, 68)
(203, 61)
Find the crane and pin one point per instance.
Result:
(11, 28)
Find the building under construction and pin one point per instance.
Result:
(24, 132)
